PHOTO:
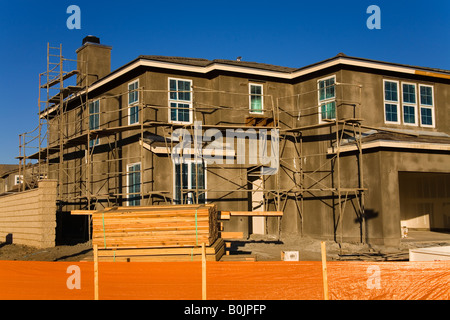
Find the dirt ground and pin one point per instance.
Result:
(262, 247)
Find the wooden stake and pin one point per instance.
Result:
(95, 272)
(324, 270)
(203, 272)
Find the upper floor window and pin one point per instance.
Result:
(417, 103)
(391, 103)
(327, 98)
(133, 100)
(256, 98)
(426, 105)
(94, 120)
(409, 103)
(180, 100)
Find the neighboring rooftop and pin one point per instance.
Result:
(7, 168)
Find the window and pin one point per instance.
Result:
(327, 98)
(133, 100)
(18, 179)
(417, 103)
(256, 98)
(180, 100)
(426, 106)
(134, 184)
(94, 120)
(409, 104)
(391, 103)
(186, 175)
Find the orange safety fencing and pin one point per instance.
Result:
(262, 280)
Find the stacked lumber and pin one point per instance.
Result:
(155, 226)
(157, 233)
(193, 253)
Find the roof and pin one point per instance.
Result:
(397, 139)
(257, 65)
(205, 66)
(7, 168)
(205, 63)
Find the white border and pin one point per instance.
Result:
(191, 113)
(408, 104)
(427, 106)
(397, 103)
(189, 162)
(250, 84)
(134, 103)
(97, 140)
(128, 181)
(20, 179)
(320, 103)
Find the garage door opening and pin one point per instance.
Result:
(425, 201)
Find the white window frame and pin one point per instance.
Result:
(408, 104)
(250, 98)
(96, 141)
(326, 101)
(426, 106)
(134, 103)
(189, 163)
(189, 102)
(396, 103)
(128, 180)
(17, 179)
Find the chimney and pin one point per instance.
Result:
(93, 58)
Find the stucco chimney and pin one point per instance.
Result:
(93, 58)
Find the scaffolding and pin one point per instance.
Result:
(93, 175)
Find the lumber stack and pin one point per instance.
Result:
(155, 226)
(157, 233)
(192, 253)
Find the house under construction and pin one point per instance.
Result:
(348, 149)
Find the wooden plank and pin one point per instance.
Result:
(95, 272)
(231, 234)
(224, 215)
(324, 270)
(82, 212)
(257, 213)
(212, 253)
(203, 272)
(210, 250)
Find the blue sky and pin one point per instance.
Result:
(287, 33)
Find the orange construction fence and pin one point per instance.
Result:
(280, 280)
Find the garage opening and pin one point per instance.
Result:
(425, 200)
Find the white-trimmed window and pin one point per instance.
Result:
(391, 102)
(409, 103)
(327, 98)
(256, 98)
(189, 174)
(180, 100)
(134, 184)
(18, 179)
(94, 120)
(133, 101)
(426, 102)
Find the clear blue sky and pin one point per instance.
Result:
(288, 33)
